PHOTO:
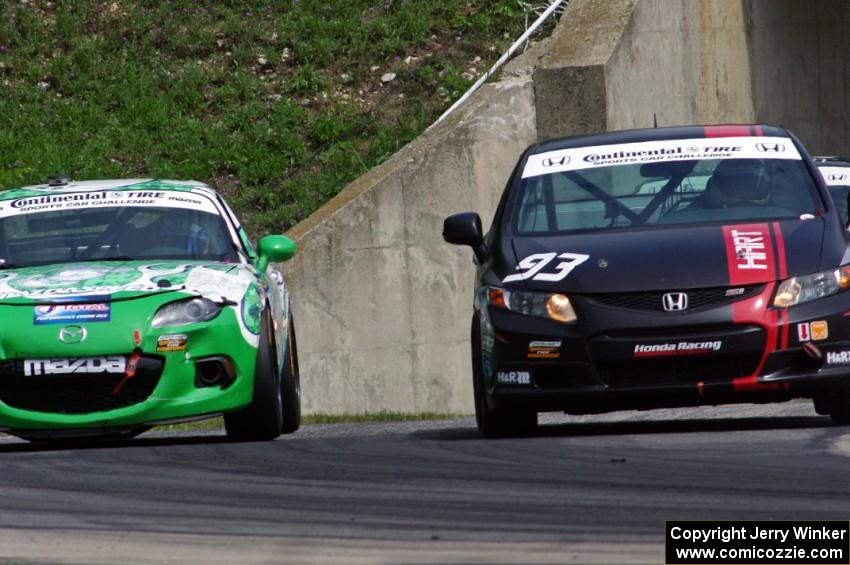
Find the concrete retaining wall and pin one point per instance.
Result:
(382, 305)
(618, 64)
(799, 55)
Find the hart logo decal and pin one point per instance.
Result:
(750, 256)
(749, 249)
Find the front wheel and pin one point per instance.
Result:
(290, 383)
(840, 408)
(495, 422)
(262, 420)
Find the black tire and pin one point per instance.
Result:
(495, 422)
(262, 420)
(840, 410)
(290, 383)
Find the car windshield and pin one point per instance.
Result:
(661, 183)
(113, 233)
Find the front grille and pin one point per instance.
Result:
(76, 393)
(677, 370)
(651, 301)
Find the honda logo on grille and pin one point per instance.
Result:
(675, 301)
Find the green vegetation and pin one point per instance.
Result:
(218, 423)
(278, 104)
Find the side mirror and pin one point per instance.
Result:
(274, 248)
(465, 229)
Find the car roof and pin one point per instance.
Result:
(106, 184)
(658, 134)
(824, 161)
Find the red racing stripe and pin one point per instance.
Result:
(751, 260)
(783, 274)
(728, 131)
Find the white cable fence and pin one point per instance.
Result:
(543, 11)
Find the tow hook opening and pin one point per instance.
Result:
(812, 351)
(214, 371)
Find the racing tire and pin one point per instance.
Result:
(290, 383)
(262, 420)
(840, 412)
(500, 422)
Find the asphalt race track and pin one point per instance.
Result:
(591, 489)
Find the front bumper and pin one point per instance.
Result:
(616, 358)
(166, 387)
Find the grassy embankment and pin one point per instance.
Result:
(278, 104)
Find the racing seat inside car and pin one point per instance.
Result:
(733, 183)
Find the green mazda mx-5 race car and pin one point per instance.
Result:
(129, 303)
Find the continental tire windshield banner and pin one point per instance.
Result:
(579, 158)
(61, 200)
(836, 176)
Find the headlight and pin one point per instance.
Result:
(186, 312)
(539, 304)
(798, 290)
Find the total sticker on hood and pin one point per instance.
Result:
(88, 312)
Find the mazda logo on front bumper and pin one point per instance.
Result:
(72, 334)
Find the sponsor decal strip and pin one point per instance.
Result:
(544, 349)
(679, 348)
(171, 342)
(83, 365)
(513, 377)
(838, 357)
(580, 158)
(73, 313)
(749, 254)
(105, 199)
(835, 176)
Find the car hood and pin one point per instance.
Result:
(674, 257)
(122, 280)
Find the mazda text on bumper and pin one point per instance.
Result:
(658, 268)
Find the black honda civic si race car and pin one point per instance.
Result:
(656, 268)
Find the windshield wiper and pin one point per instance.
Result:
(107, 258)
